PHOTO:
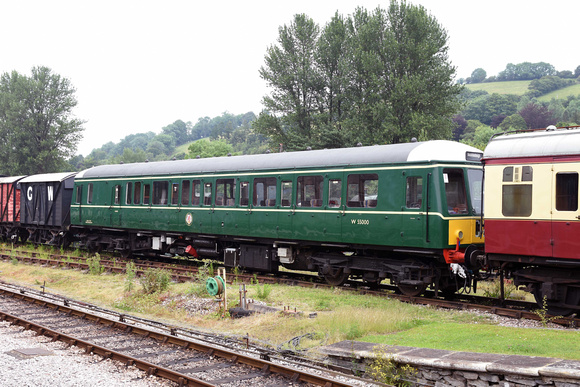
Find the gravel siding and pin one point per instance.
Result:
(64, 367)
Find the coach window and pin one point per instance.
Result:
(78, 196)
(90, 193)
(160, 192)
(128, 192)
(567, 191)
(224, 192)
(117, 193)
(455, 191)
(207, 194)
(185, 184)
(265, 192)
(286, 193)
(146, 193)
(309, 191)
(244, 193)
(334, 192)
(414, 197)
(362, 190)
(196, 193)
(516, 200)
(137, 193)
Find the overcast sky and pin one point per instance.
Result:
(138, 66)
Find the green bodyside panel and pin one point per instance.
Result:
(393, 222)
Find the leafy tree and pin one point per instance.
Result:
(513, 122)
(178, 130)
(572, 112)
(205, 148)
(481, 136)
(537, 116)
(296, 85)
(460, 125)
(37, 122)
(477, 76)
(547, 84)
(526, 71)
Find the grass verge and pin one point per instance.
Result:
(341, 315)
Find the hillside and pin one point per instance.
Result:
(521, 87)
(509, 87)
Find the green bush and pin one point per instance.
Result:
(155, 280)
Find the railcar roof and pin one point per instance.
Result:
(551, 142)
(10, 179)
(48, 177)
(379, 154)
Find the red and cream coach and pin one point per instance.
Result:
(532, 216)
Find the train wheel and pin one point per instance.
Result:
(412, 290)
(336, 277)
(572, 298)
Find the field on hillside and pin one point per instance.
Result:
(511, 87)
(521, 87)
(562, 93)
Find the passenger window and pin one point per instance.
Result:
(146, 193)
(309, 191)
(128, 193)
(517, 200)
(207, 194)
(265, 192)
(90, 193)
(362, 190)
(160, 192)
(79, 196)
(117, 194)
(175, 194)
(455, 191)
(286, 193)
(185, 184)
(196, 193)
(224, 192)
(334, 193)
(567, 191)
(137, 193)
(244, 193)
(414, 192)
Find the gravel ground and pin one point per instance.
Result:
(63, 367)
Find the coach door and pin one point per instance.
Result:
(115, 208)
(414, 218)
(565, 211)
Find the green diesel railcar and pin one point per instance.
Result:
(398, 211)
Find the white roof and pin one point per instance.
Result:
(10, 179)
(370, 155)
(554, 142)
(48, 177)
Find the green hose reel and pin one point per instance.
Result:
(215, 285)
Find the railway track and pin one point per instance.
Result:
(152, 347)
(184, 273)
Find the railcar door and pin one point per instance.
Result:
(334, 207)
(414, 217)
(565, 209)
(115, 207)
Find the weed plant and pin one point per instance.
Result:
(130, 273)
(385, 370)
(155, 280)
(95, 267)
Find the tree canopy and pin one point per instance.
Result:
(36, 122)
(372, 77)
